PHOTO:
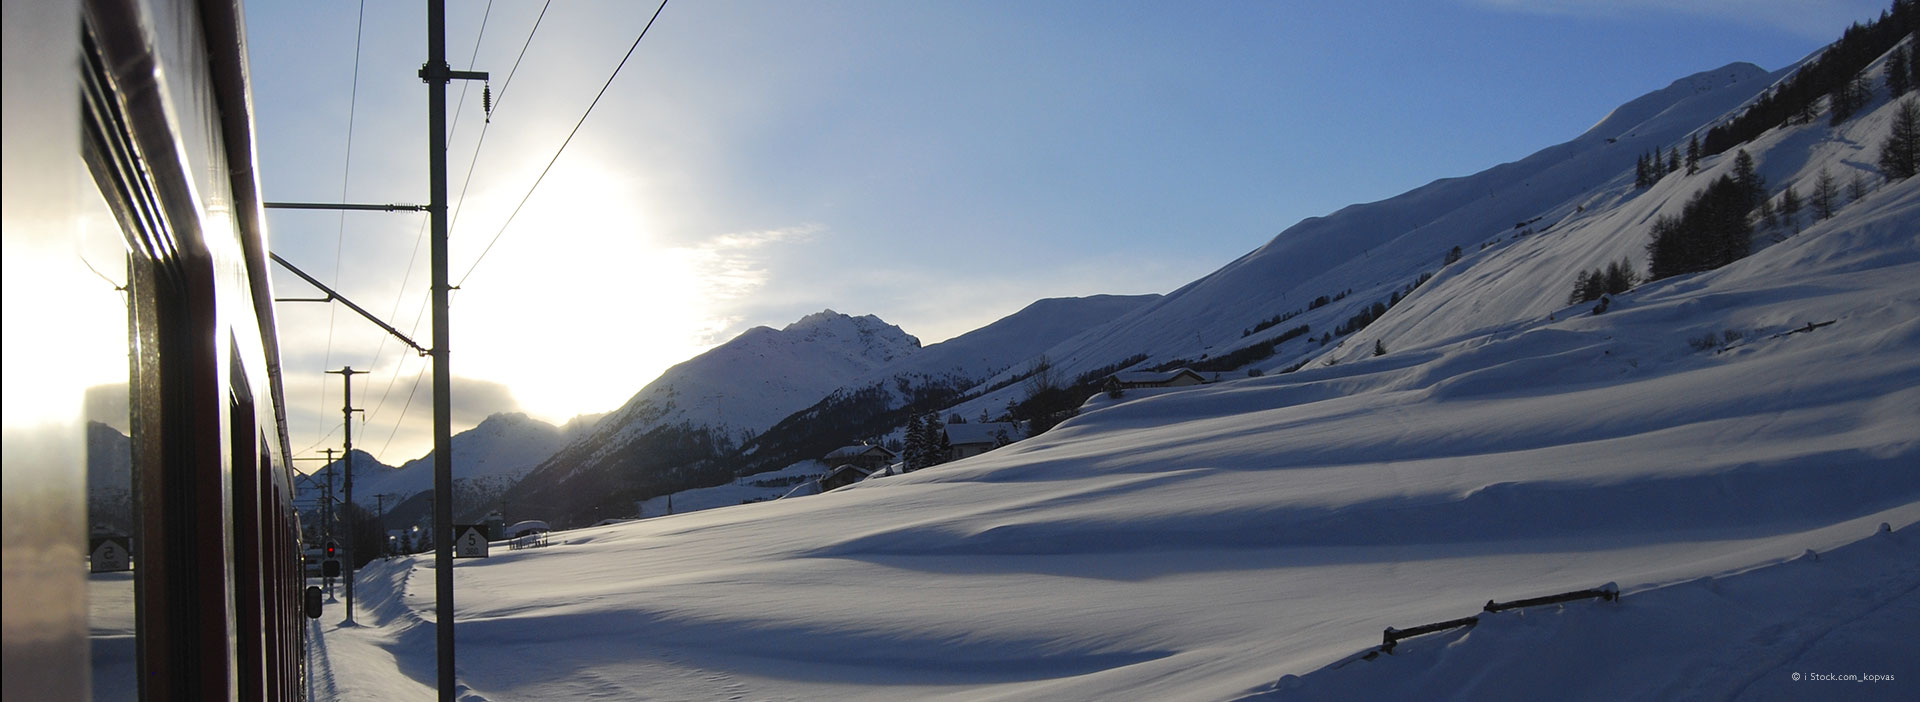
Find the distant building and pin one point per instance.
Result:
(870, 458)
(529, 526)
(844, 475)
(975, 439)
(1128, 380)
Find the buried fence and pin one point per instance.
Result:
(1392, 637)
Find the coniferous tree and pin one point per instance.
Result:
(1673, 160)
(1640, 178)
(1693, 154)
(1711, 231)
(1768, 220)
(1913, 65)
(1664, 249)
(1744, 174)
(1790, 208)
(1620, 277)
(1581, 285)
(1899, 80)
(916, 454)
(1806, 113)
(1857, 187)
(942, 446)
(1848, 97)
(1900, 153)
(1826, 195)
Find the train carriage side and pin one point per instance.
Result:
(138, 113)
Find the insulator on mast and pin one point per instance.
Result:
(486, 100)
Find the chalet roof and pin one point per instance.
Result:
(529, 525)
(1155, 377)
(847, 467)
(846, 452)
(981, 432)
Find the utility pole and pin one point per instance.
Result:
(436, 73)
(326, 506)
(326, 520)
(346, 375)
(326, 514)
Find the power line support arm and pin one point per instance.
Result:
(331, 296)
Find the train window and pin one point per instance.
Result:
(101, 315)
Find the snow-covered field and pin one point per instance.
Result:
(1737, 450)
(1244, 540)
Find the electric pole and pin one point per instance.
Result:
(326, 516)
(436, 73)
(346, 375)
(326, 505)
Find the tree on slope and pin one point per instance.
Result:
(1711, 231)
(1899, 81)
(1744, 174)
(1848, 97)
(1826, 195)
(1790, 208)
(916, 452)
(1900, 153)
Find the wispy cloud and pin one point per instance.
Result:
(733, 266)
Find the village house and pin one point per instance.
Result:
(974, 439)
(1128, 380)
(842, 476)
(869, 458)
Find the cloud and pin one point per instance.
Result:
(731, 266)
(474, 400)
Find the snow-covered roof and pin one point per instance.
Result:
(1154, 377)
(856, 450)
(982, 432)
(527, 526)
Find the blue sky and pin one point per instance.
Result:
(939, 164)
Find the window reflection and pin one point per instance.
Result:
(99, 319)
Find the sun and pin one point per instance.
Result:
(582, 301)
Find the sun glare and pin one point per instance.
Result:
(583, 302)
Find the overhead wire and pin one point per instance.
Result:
(421, 237)
(461, 200)
(563, 146)
(346, 169)
(453, 129)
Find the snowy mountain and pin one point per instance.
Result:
(669, 435)
(1735, 449)
(762, 375)
(487, 460)
(931, 380)
(1373, 249)
(767, 386)
(109, 479)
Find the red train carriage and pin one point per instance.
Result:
(132, 215)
